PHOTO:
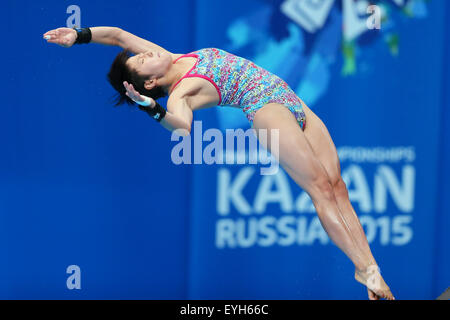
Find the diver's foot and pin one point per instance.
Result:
(372, 279)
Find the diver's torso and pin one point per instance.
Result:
(221, 78)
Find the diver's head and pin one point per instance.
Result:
(143, 71)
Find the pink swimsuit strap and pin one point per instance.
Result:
(192, 55)
(188, 55)
(189, 75)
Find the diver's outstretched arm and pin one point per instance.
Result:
(112, 36)
(136, 44)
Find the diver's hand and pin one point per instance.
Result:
(65, 37)
(138, 98)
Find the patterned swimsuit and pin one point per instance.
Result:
(240, 82)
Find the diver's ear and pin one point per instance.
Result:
(150, 84)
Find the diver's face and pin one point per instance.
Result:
(151, 64)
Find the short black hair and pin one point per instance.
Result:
(120, 72)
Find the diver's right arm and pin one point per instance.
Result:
(113, 36)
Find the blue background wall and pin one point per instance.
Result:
(78, 184)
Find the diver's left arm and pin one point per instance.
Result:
(124, 39)
(112, 36)
(66, 37)
(135, 44)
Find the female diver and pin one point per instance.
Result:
(212, 77)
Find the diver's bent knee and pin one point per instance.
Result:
(339, 187)
(321, 189)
